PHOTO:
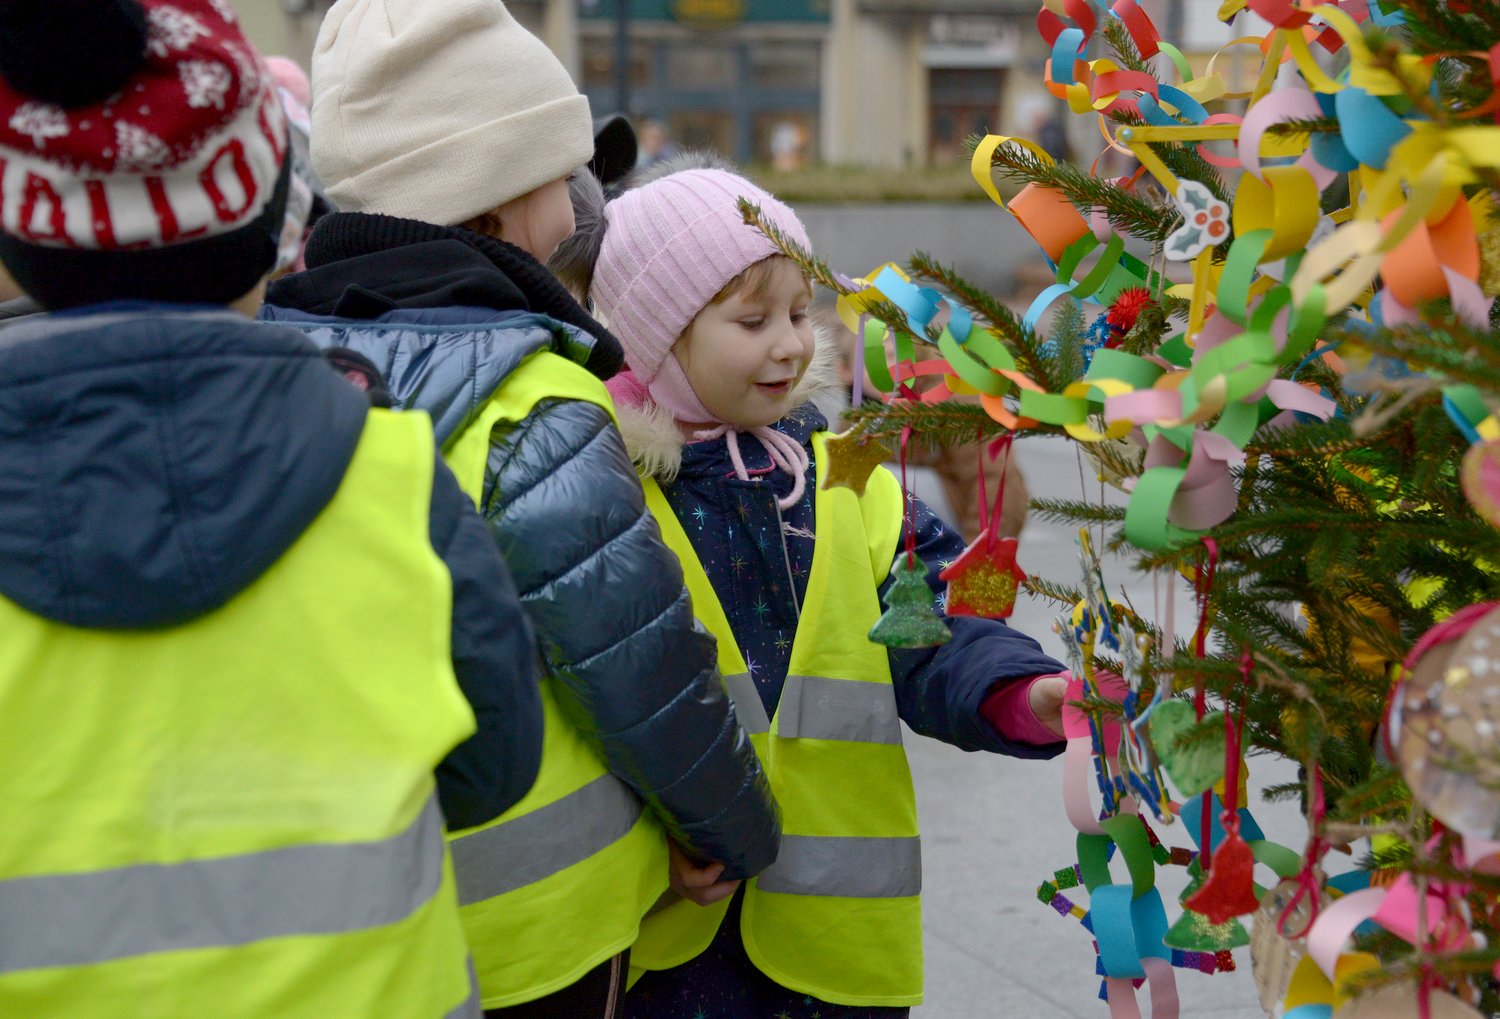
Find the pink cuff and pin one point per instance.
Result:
(1008, 710)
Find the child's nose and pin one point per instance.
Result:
(788, 344)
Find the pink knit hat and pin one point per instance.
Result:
(669, 246)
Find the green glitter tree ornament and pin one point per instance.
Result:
(1194, 932)
(910, 621)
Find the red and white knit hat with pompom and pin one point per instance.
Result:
(142, 151)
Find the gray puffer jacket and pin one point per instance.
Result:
(448, 315)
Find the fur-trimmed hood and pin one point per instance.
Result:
(655, 442)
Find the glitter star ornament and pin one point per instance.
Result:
(852, 458)
(983, 581)
(910, 621)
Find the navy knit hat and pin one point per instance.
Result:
(143, 152)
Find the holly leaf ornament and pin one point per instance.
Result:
(1196, 767)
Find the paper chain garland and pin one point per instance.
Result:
(1268, 268)
(1128, 920)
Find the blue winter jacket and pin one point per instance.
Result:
(447, 315)
(155, 460)
(758, 557)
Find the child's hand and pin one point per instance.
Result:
(1046, 698)
(695, 883)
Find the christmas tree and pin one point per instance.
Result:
(1275, 331)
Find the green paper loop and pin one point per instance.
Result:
(970, 370)
(1146, 524)
(1052, 408)
(1129, 834)
(875, 362)
(1116, 364)
(1093, 861)
(984, 345)
(1283, 862)
(1239, 272)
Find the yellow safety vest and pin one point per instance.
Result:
(235, 817)
(838, 915)
(559, 883)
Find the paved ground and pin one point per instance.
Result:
(994, 828)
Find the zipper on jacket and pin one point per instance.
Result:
(786, 557)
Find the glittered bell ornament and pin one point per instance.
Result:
(1194, 932)
(983, 581)
(1228, 890)
(1443, 720)
(910, 621)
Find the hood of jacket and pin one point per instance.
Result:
(156, 460)
(360, 266)
(656, 443)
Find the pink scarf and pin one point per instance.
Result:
(671, 390)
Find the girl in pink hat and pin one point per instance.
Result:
(717, 408)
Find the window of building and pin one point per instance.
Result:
(597, 60)
(701, 66)
(961, 101)
(786, 65)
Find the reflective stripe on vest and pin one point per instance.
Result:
(848, 867)
(524, 850)
(560, 882)
(850, 860)
(748, 706)
(470, 1007)
(813, 707)
(65, 919)
(239, 816)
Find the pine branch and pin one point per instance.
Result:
(1305, 125)
(1053, 591)
(818, 271)
(1130, 213)
(950, 423)
(1023, 344)
(1070, 511)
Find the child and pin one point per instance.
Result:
(446, 132)
(788, 576)
(233, 599)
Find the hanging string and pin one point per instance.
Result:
(1202, 584)
(909, 503)
(857, 364)
(1307, 878)
(1234, 738)
(988, 515)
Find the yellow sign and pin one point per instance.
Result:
(709, 13)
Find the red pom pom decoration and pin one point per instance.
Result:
(1127, 308)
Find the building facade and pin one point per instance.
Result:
(894, 83)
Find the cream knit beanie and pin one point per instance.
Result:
(439, 110)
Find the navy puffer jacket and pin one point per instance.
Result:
(447, 315)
